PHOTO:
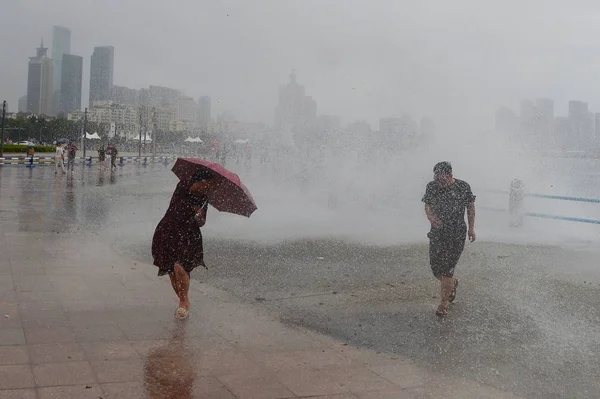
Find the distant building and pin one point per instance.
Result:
(204, 113)
(359, 127)
(23, 104)
(71, 82)
(39, 83)
(187, 109)
(398, 133)
(61, 44)
(389, 125)
(526, 117)
(295, 111)
(122, 119)
(536, 123)
(563, 138)
(582, 125)
(125, 95)
(101, 74)
(159, 96)
(327, 123)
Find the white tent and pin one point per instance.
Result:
(189, 140)
(148, 139)
(193, 140)
(240, 141)
(92, 136)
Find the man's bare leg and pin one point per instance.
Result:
(447, 285)
(180, 281)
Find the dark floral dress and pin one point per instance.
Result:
(177, 238)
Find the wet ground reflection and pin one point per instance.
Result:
(169, 370)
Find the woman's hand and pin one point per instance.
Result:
(200, 214)
(200, 217)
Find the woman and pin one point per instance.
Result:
(177, 243)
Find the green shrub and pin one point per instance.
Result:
(23, 148)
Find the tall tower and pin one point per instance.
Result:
(101, 74)
(71, 82)
(204, 113)
(39, 83)
(295, 109)
(61, 44)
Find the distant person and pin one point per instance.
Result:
(59, 158)
(102, 155)
(177, 242)
(113, 156)
(71, 154)
(446, 199)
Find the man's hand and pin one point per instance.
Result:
(472, 236)
(435, 223)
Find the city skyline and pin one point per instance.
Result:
(360, 62)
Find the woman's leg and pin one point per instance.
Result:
(180, 281)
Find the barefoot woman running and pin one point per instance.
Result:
(177, 242)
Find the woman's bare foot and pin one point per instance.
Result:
(183, 310)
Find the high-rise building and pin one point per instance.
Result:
(295, 110)
(39, 83)
(61, 44)
(582, 125)
(71, 82)
(23, 103)
(187, 109)
(204, 113)
(101, 74)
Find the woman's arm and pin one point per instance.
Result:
(201, 214)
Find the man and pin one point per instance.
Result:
(102, 155)
(71, 154)
(59, 158)
(446, 199)
(113, 152)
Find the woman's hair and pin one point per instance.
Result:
(202, 175)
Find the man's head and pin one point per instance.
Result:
(442, 173)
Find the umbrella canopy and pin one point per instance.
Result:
(231, 196)
(63, 140)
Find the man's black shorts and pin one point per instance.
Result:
(444, 253)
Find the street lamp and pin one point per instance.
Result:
(154, 131)
(84, 129)
(2, 129)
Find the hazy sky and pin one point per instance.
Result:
(455, 60)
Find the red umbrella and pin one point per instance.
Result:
(232, 196)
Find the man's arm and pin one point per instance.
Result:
(435, 222)
(471, 219)
(471, 215)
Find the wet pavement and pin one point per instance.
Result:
(87, 317)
